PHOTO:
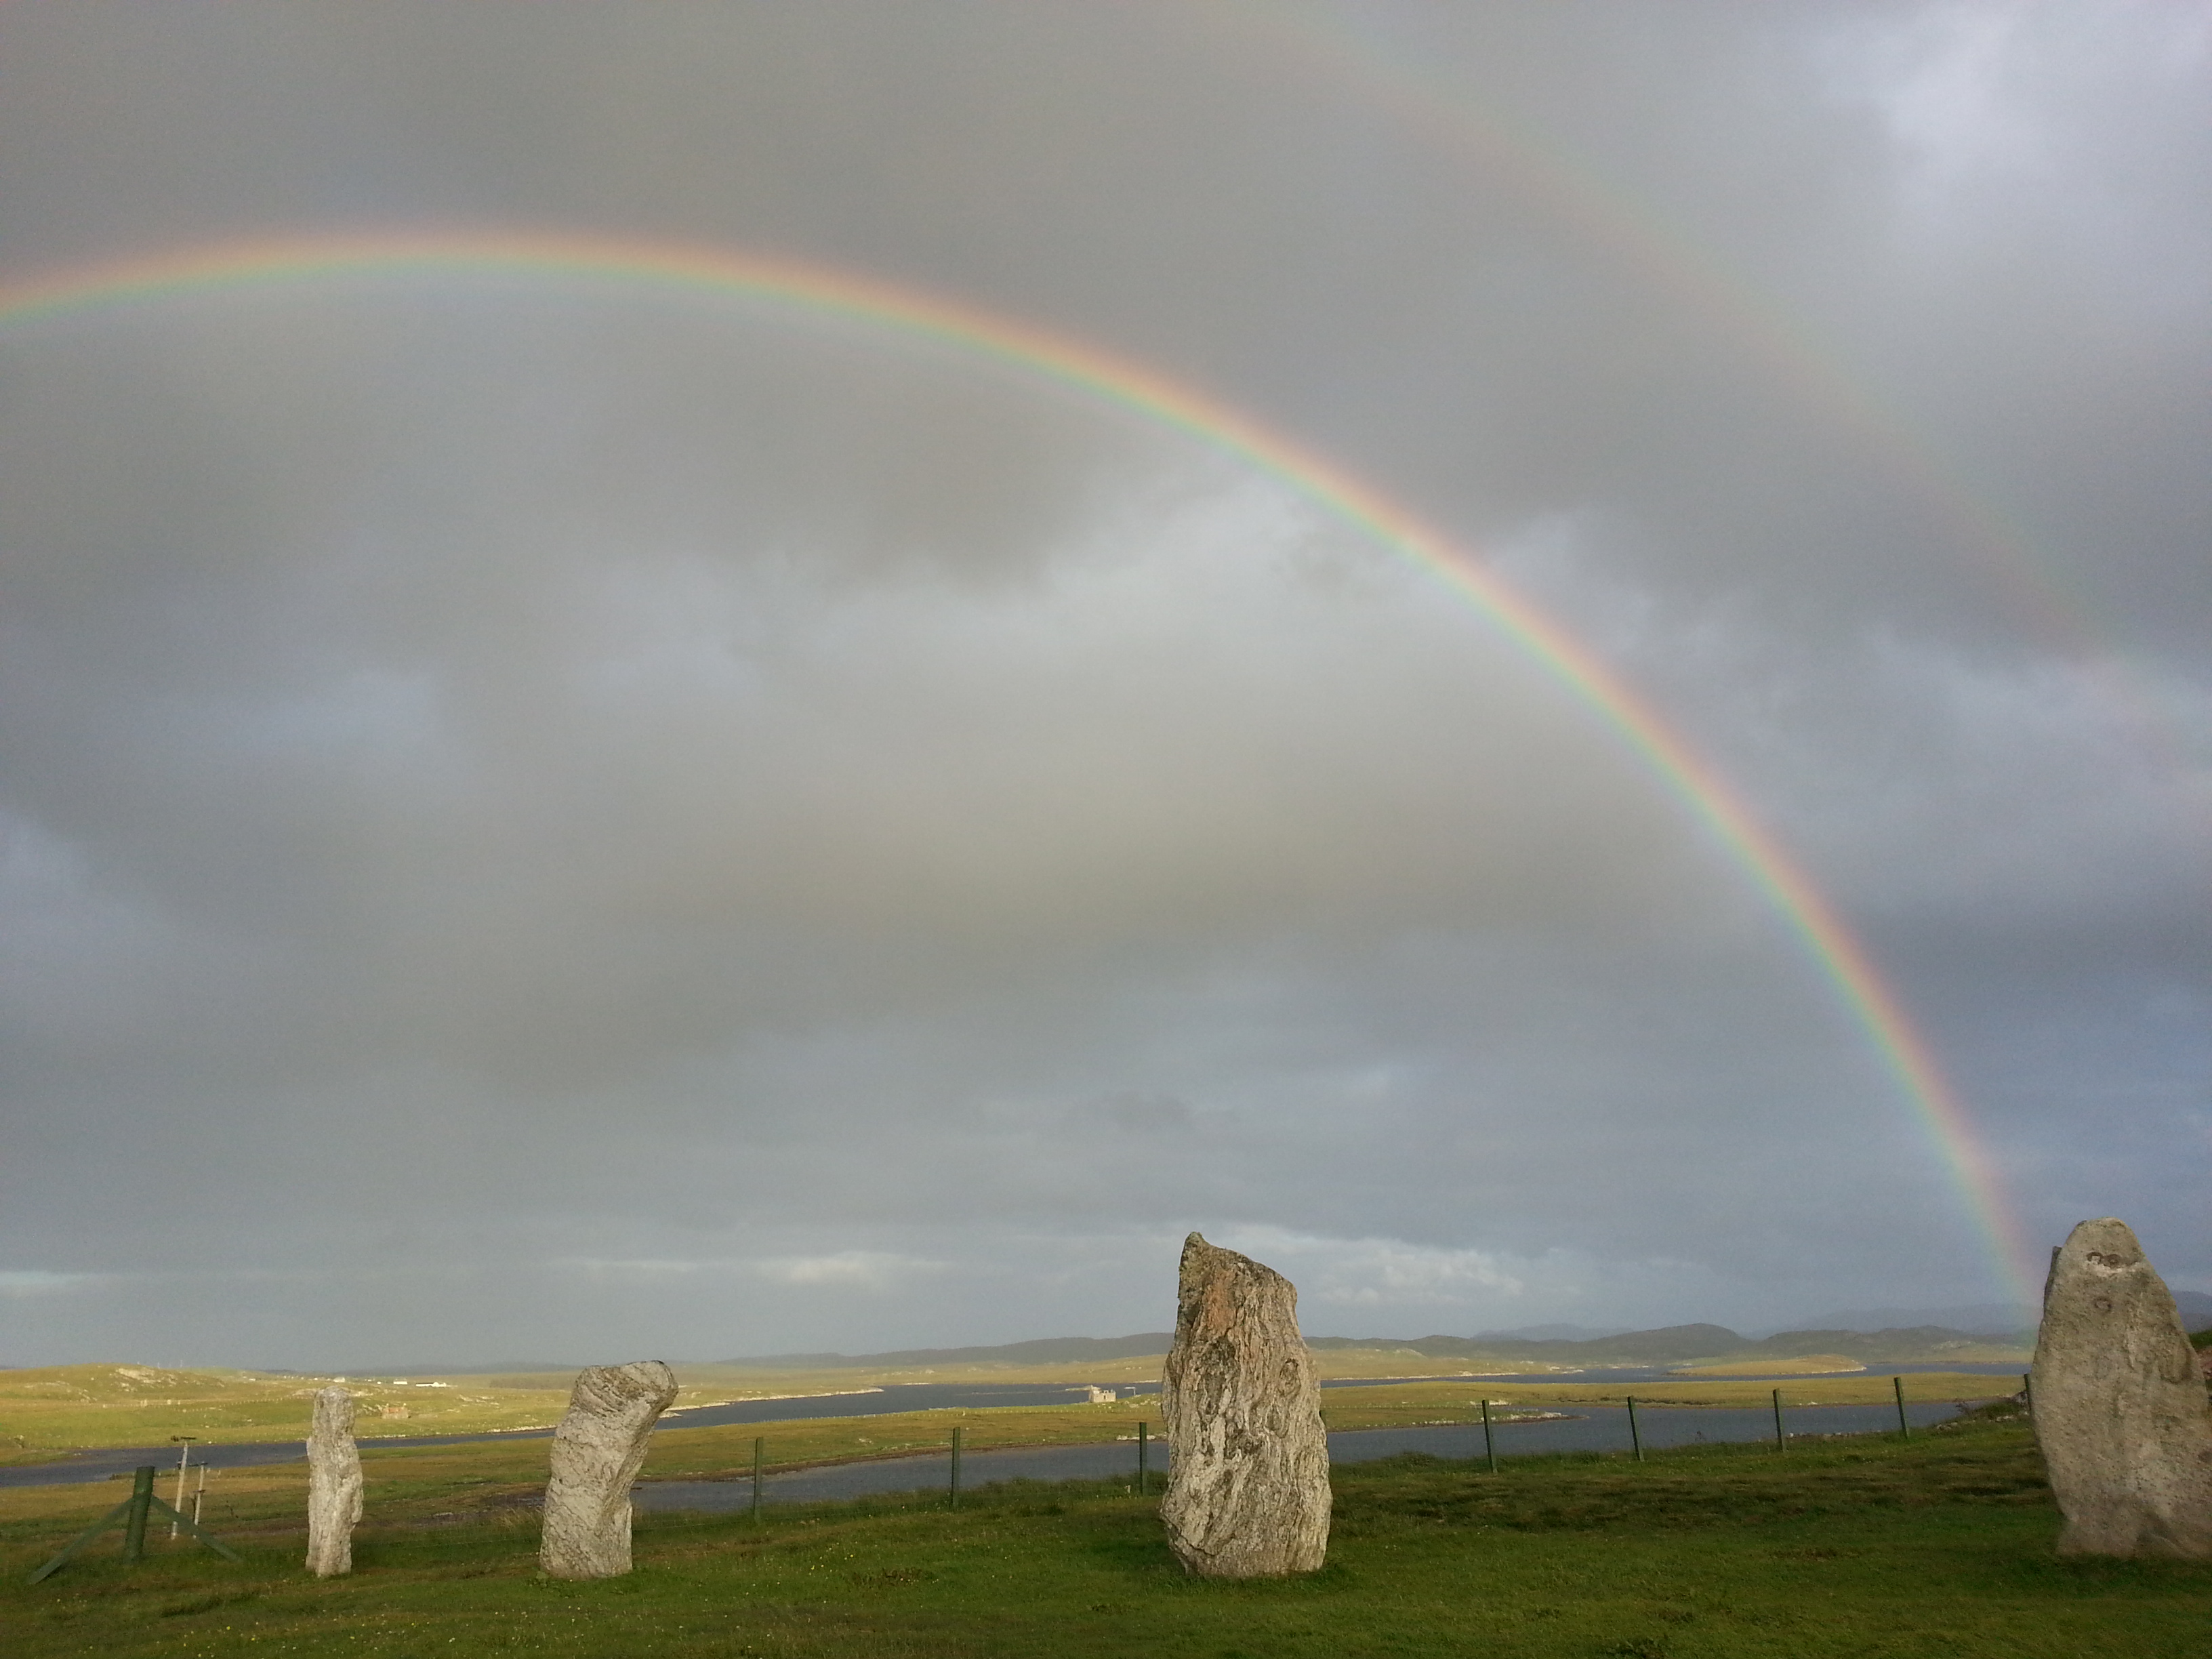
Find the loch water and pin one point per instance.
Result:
(1581, 1429)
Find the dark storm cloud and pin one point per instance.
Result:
(583, 823)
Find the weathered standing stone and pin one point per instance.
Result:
(597, 1452)
(1248, 1483)
(333, 1485)
(2120, 1410)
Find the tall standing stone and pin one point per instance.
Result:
(333, 1485)
(1248, 1481)
(2120, 1410)
(597, 1452)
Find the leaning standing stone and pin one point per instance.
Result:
(333, 1485)
(597, 1452)
(2120, 1410)
(1248, 1483)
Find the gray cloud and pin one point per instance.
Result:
(584, 822)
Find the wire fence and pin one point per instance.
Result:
(1134, 1461)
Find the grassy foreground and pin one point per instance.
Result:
(1860, 1546)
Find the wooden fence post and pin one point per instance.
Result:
(132, 1511)
(134, 1527)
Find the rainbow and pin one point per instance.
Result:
(686, 271)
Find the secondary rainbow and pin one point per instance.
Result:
(679, 269)
(1637, 237)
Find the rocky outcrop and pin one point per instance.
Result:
(333, 1485)
(1248, 1488)
(597, 1452)
(2119, 1405)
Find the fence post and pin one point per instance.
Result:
(2027, 1391)
(1635, 1439)
(955, 1468)
(757, 1439)
(1781, 1440)
(184, 1462)
(134, 1527)
(133, 1512)
(1904, 1428)
(84, 1537)
(1489, 1444)
(1143, 1449)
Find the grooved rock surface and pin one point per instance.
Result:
(1248, 1488)
(333, 1485)
(597, 1451)
(2120, 1408)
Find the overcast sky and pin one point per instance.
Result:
(548, 821)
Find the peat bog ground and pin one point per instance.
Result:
(1859, 1546)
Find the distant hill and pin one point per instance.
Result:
(1979, 1318)
(1869, 1335)
(1911, 1343)
(1875, 1334)
(521, 1367)
(1676, 1345)
(1987, 1318)
(1045, 1351)
(1671, 1345)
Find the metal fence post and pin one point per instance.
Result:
(1904, 1428)
(955, 1468)
(1635, 1439)
(1781, 1440)
(184, 1462)
(1143, 1450)
(757, 1440)
(1489, 1444)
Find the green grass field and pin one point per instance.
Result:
(1859, 1546)
(67, 1407)
(57, 1407)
